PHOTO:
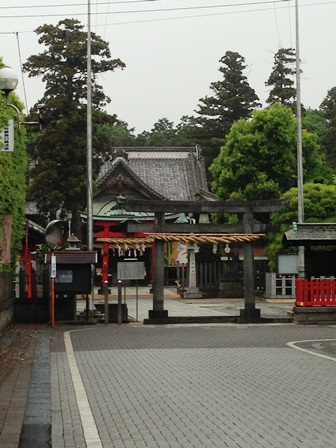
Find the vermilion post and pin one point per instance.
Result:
(52, 304)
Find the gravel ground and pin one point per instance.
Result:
(14, 342)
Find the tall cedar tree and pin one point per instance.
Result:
(328, 110)
(232, 99)
(281, 79)
(59, 176)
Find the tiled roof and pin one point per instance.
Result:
(174, 173)
(311, 234)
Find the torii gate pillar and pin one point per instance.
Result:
(250, 313)
(158, 312)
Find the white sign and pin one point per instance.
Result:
(53, 266)
(131, 270)
(288, 264)
(7, 137)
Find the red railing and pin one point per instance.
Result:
(317, 292)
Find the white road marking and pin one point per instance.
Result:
(90, 430)
(310, 352)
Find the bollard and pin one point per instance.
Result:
(119, 302)
(106, 302)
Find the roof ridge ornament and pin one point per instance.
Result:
(120, 152)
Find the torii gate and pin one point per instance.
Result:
(250, 232)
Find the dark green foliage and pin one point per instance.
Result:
(319, 206)
(63, 65)
(328, 110)
(314, 121)
(281, 79)
(13, 171)
(164, 133)
(232, 98)
(59, 178)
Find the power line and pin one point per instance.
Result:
(76, 4)
(276, 23)
(185, 8)
(20, 60)
(191, 16)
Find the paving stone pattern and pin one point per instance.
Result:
(36, 428)
(197, 386)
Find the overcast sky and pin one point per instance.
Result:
(172, 55)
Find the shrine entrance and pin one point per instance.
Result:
(247, 231)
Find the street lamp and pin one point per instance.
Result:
(8, 82)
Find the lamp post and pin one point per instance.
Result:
(8, 82)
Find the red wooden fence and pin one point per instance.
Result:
(317, 292)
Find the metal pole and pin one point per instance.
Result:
(52, 301)
(119, 302)
(299, 139)
(52, 285)
(89, 152)
(136, 302)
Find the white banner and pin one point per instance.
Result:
(7, 137)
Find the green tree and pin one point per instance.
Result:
(185, 132)
(232, 98)
(328, 110)
(319, 206)
(163, 133)
(314, 121)
(281, 79)
(13, 171)
(59, 176)
(258, 160)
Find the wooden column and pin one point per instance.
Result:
(158, 312)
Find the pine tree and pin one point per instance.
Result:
(59, 176)
(232, 99)
(281, 79)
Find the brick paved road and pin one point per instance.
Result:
(195, 386)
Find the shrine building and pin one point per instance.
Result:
(148, 173)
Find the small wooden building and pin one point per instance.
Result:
(316, 292)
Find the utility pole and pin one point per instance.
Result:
(301, 266)
(89, 222)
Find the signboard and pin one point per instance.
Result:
(7, 137)
(288, 264)
(131, 270)
(53, 266)
(64, 276)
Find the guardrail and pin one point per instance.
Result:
(315, 292)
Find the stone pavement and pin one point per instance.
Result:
(193, 386)
(140, 301)
(176, 386)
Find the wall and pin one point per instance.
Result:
(6, 298)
